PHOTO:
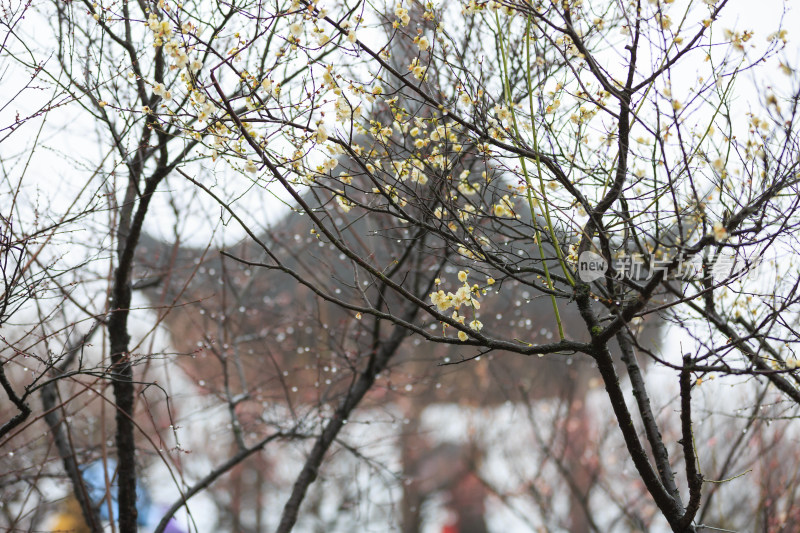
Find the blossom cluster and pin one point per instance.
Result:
(466, 295)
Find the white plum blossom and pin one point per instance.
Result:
(321, 134)
(720, 233)
(296, 29)
(160, 90)
(182, 59)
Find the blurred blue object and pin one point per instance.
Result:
(95, 478)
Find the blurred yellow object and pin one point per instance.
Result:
(70, 518)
